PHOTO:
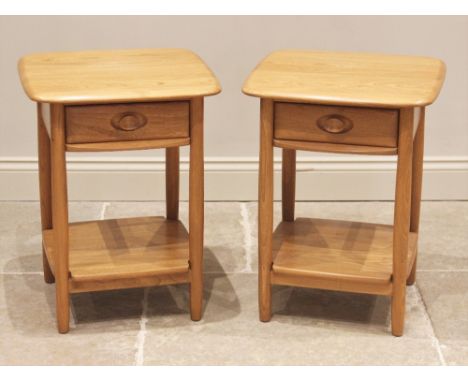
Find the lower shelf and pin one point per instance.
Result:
(124, 253)
(337, 255)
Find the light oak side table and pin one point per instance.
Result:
(347, 103)
(108, 101)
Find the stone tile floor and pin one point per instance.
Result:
(309, 327)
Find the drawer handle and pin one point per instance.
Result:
(128, 121)
(334, 124)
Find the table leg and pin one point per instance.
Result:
(45, 193)
(402, 220)
(172, 183)
(196, 208)
(60, 217)
(288, 184)
(416, 186)
(265, 209)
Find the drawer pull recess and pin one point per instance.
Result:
(334, 124)
(128, 121)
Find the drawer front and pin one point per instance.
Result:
(335, 124)
(127, 122)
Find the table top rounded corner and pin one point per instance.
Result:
(347, 78)
(110, 76)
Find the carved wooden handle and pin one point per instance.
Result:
(334, 124)
(128, 121)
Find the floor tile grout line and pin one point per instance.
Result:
(427, 317)
(141, 336)
(103, 210)
(247, 233)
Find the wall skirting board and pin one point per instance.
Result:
(235, 178)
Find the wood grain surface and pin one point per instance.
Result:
(107, 76)
(120, 249)
(366, 126)
(127, 122)
(336, 251)
(346, 78)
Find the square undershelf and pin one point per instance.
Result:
(336, 255)
(124, 253)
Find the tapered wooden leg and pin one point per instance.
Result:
(60, 217)
(45, 193)
(265, 209)
(172, 183)
(416, 186)
(402, 220)
(196, 214)
(288, 184)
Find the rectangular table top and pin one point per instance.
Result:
(344, 78)
(105, 76)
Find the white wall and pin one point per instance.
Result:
(232, 46)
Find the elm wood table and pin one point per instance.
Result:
(119, 100)
(342, 103)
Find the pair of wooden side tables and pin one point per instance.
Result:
(153, 98)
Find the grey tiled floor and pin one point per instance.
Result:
(309, 327)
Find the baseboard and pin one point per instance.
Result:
(234, 178)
